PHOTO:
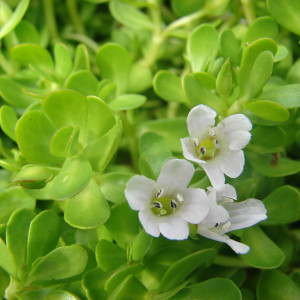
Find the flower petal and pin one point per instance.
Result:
(238, 139)
(228, 191)
(174, 228)
(200, 119)
(150, 222)
(237, 247)
(195, 206)
(234, 123)
(175, 175)
(214, 174)
(232, 163)
(189, 151)
(245, 214)
(140, 191)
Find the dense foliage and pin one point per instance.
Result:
(95, 92)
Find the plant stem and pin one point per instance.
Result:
(73, 12)
(82, 39)
(50, 19)
(249, 11)
(229, 261)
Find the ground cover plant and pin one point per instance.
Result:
(149, 149)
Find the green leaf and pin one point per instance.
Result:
(13, 93)
(120, 274)
(249, 58)
(275, 285)
(82, 81)
(154, 149)
(127, 101)
(67, 108)
(61, 263)
(141, 245)
(263, 65)
(100, 119)
(130, 288)
(168, 86)
(263, 27)
(63, 61)
(264, 253)
(87, 209)
(81, 60)
(178, 272)
(27, 33)
(64, 142)
(33, 176)
(230, 47)
(43, 236)
(197, 93)
(267, 139)
(272, 165)
(15, 18)
(102, 150)
(202, 47)
(107, 90)
(288, 95)
(74, 175)
(286, 13)
(34, 132)
(60, 295)
(113, 185)
(93, 283)
(224, 80)
(109, 256)
(283, 206)
(35, 55)
(123, 224)
(187, 7)
(216, 289)
(8, 119)
(12, 199)
(268, 110)
(130, 16)
(170, 129)
(17, 236)
(115, 64)
(140, 78)
(7, 262)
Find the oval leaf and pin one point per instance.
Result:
(127, 101)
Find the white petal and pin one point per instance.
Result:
(175, 175)
(214, 174)
(238, 139)
(200, 119)
(174, 228)
(189, 151)
(228, 191)
(217, 214)
(140, 191)
(195, 206)
(246, 213)
(150, 222)
(232, 163)
(235, 122)
(239, 248)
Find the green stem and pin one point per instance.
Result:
(14, 287)
(249, 11)
(82, 39)
(73, 12)
(229, 261)
(50, 19)
(235, 108)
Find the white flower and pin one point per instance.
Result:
(167, 205)
(226, 215)
(216, 149)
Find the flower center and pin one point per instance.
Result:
(163, 205)
(206, 149)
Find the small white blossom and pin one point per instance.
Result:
(166, 206)
(225, 215)
(216, 149)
